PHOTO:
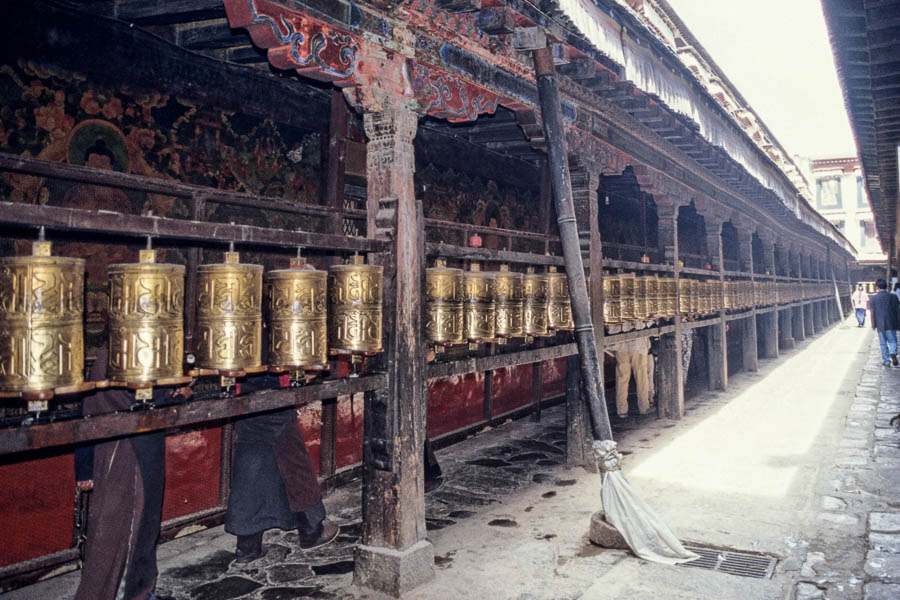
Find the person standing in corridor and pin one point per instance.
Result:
(885, 309)
(860, 301)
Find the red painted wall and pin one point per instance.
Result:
(349, 430)
(454, 402)
(36, 507)
(554, 377)
(311, 428)
(193, 461)
(512, 388)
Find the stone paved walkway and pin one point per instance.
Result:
(857, 551)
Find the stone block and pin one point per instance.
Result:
(885, 542)
(394, 572)
(884, 522)
(882, 591)
(605, 535)
(808, 591)
(883, 565)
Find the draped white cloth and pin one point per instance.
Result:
(644, 531)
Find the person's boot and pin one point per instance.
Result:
(894, 360)
(249, 548)
(324, 534)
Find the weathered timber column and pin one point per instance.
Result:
(809, 313)
(670, 393)
(798, 320)
(585, 181)
(768, 322)
(394, 555)
(785, 313)
(748, 336)
(716, 344)
(551, 114)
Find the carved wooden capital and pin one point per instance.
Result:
(661, 186)
(390, 132)
(607, 159)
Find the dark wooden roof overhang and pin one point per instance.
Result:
(865, 39)
(606, 115)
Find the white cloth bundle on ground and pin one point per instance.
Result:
(644, 531)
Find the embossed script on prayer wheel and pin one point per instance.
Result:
(444, 304)
(536, 291)
(626, 294)
(229, 315)
(41, 310)
(651, 283)
(668, 296)
(296, 307)
(478, 303)
(640, 298)
(354, 312)
(560, 306)
(508, 299)
(146, 319)
(684, 296)
(612, 299)
(704, 301)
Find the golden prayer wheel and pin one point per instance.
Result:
(718, 295)
(728, 295)
(757, 293)
(229, 315)
(444, 304)
(560, 309)
(640, 298)
(536, 291)
(695, 296)
(479, 310)
(612, 299)
(146, 320)
(354, 313)
(297, 316)
(671, 297)
(684, 296)
(704, 293)
(508, 298)
(653, 296)
(626, 294)
(41, 312)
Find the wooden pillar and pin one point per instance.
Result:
(394, 555)
(716, 344)
(768, 322)
(748, 335)
(670, 393)
(585, 180)
(537, 384)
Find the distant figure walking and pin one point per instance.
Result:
(860, 301)
(886, 320)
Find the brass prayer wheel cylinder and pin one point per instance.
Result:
(670, 296)
(560, 309)
(684, 296)
(626, 294)
(535, 291)
(297, 317)
(355, 310)
(229, 315)
(652, 286)
(695, 296)
(640, 298)
(510, 307)
(728, 295)
(612, 299)
(704, 297)
(146, 320)
(41, 312)
(444, 305)
(479, 318)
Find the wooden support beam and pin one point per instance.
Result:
(578, 435)
(499, 361)
(209, 35)
(394, 555)
(496, 20)
(168, 12)
(100, 427)
(108, 223)
(537, 385)
(458, 6)
(670, 392)
(488, 255)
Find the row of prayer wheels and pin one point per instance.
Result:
(42, 311)
(478, 306)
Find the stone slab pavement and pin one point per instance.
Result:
(797, 461)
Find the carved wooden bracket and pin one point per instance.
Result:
(665, 189)
(446, 96)
(297, 41)
(590, 149)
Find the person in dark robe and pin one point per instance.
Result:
(273, 482)
(127, 476)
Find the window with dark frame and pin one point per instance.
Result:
(861, 200)
(828, 192)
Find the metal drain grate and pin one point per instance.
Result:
(732, 562)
